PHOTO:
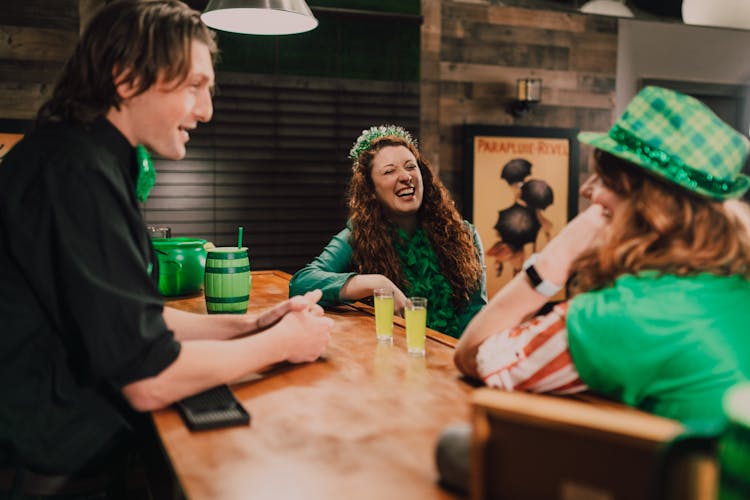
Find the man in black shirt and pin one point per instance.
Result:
(85, 335)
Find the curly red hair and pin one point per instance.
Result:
(662, 227)
(373, 235)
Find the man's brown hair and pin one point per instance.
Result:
(136, 41)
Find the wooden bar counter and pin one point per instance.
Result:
(360, 423)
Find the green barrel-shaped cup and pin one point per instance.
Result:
(227, 280)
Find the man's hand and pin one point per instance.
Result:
(298, 303)
(306, 334)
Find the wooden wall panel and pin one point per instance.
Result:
(276, 149)
(36, 37)
(485, 48)
(55, 14)
(36, 44)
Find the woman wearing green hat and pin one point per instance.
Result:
(660, 267)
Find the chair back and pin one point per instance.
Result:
(528, 446)
(734, 445)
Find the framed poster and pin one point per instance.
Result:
(520, 187)
(11, 131)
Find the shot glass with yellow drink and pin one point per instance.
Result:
(416, 322)
(383, 300)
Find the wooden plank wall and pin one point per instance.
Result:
(274, 160)
(473, 52)
(36, 37)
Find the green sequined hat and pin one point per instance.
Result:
(367, 137)
(678, 138)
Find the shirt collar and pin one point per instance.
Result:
(108, 136)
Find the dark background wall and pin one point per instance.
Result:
(288, 108)
(274, 157)
(36, 37)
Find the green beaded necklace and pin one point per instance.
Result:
(146, 173)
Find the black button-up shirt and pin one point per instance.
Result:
(80, 315)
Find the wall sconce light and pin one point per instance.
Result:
(528, 95)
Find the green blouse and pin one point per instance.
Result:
(332, 268)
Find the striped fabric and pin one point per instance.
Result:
(533, 357)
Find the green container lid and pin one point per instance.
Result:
(179, 242)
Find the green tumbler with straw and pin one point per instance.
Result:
(227, 279)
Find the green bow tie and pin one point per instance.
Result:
(146, 173)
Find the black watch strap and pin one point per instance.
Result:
(546, 288)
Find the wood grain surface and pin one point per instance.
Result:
(360, 423)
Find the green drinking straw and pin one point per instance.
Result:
(239, 238)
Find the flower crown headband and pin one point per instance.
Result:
(367, 137)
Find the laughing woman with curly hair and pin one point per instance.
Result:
(404, 233)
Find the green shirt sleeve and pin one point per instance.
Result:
(328, 272)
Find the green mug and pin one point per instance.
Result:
(181, 265)
(227, 280)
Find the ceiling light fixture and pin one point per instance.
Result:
(259, 17)
(607, 8)
(720, 13)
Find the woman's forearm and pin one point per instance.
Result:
(362, 285)
(512, 305)
(518, 300)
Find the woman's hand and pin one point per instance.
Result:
(399, 297)
(362, 285)
(583, 233)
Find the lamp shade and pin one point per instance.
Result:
(721, 13)
(259, 17)
(607, 8)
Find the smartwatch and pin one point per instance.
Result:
(546, 288)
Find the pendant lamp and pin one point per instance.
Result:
(259, 17)
(720, 13)
(607, 8)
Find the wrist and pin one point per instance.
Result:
(377, 281)
(247, 324)
(538, 279)
(552, 267)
